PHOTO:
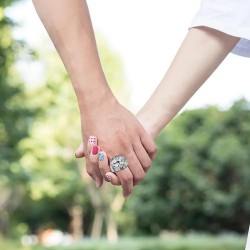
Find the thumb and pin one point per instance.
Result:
(79, 153)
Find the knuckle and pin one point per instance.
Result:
(121, 145)
(130, 155)
(127, 179)
(153, 149)
(110, 148)
(139, 177)
(123, 141)
(147, 165)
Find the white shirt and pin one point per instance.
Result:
(229, 16)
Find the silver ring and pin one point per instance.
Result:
(118, 163)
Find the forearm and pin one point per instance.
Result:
(69, 26)
(200, 54)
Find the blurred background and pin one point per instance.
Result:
(197, 193)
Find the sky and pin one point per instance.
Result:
(146, 34)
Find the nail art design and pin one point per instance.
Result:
(101, 156)
(94, 150)
(109, 178)
(92, 139)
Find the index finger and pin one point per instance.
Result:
(92, 167)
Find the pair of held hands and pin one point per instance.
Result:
(118, 132)
(99, 161)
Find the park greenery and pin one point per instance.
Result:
(199, 181)
(187, 242)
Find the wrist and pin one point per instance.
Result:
(93, 99)
(149, 122)
(92, 91)
(154, 118)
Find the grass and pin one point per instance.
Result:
(189, 242)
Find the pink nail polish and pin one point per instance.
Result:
(95, 150)
(108, 178)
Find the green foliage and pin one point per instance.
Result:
(113, 68)
(200, 178)
(40, 179)
(187, 242)
(13, 126)
(48, 153)
(45, 152)
(14, 120)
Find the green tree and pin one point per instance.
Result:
(48, 155)
(14, 120)
(40, 180)
(200, 179)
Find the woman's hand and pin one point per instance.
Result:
(119, 133)
(98, 159)
(69, 26)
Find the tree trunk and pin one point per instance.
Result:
(76, 213)
(110, 209)
(4, 224)
(112, 233)
(97, 203)
(98, 223)
(9, 201)
(113, 208)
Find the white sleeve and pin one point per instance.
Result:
(229, 16)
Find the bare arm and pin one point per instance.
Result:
(118, 131)
(69, 26)
(201, 52)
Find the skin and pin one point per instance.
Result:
(201, 52)
(69, 27)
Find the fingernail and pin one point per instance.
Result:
(94, 150)
(108, 178)
(127, 196)
(75, 155)
(101, 156)
(92, 139)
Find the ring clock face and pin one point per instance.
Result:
(118, 163)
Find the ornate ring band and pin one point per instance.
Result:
(118, 163)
